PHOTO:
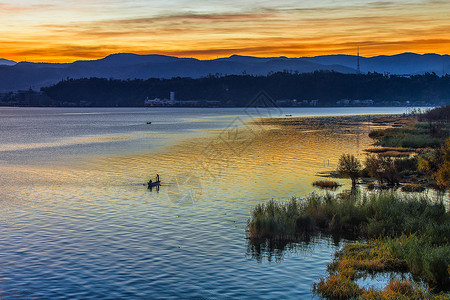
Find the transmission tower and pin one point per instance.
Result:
(358, 70)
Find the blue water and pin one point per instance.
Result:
(77, 222)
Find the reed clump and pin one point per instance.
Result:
(279, 221)
(383, 214)
(326, 184)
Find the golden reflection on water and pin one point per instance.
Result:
(75, 141)
(270, 158)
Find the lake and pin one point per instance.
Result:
(77, 221)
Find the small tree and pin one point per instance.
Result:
(349, 167)
(383, 167)
(374, 169)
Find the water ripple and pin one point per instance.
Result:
(88, 228)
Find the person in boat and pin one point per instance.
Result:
(157, 177)
(150, 182)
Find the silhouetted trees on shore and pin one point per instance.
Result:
(239, 90)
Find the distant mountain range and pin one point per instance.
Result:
(6, 62)
(25, 75)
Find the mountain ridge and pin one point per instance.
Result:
(25, 75)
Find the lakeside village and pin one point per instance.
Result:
(281, 102)
(40, 99)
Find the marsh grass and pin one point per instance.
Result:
(383, 214)
(419, 135)
(357, 260)
(406, 234)
(429, 260)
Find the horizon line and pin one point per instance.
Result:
(219, 57)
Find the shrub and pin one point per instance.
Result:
(383, 168)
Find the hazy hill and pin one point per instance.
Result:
(25, 75)
(406, 63)
(6, 62)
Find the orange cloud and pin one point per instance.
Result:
(381, 27)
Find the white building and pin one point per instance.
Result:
(161, 102)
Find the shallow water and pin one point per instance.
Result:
(78, 222)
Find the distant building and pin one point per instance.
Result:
(344, 102)
(286, 102)
(314, 102)
(367, 102)
(356, 102)
(161, 102)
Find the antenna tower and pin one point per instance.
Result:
(358, 70)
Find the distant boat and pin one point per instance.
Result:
(288, 115)
(149, 122)
(153, 184)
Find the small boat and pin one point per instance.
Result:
(288, 115)
(149, 122)
(154, 183)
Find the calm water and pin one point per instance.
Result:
(77, 222)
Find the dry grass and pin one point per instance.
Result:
(397, 289)
(326, 184)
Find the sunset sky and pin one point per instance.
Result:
(64, 31)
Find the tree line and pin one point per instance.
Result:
(238, 90)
